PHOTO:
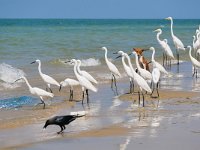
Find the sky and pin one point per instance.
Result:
(112, 9)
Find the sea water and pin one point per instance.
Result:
(54, 41)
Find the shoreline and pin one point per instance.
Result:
(109, 116)
(103, 131)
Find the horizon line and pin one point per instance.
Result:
(105, 18)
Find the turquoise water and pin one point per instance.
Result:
(16, 102)
(23, 40)
(54, 40)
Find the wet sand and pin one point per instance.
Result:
(112, 122)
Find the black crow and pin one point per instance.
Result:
(61, 121)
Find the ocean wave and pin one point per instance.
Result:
(90, 62)
(8, 75)
(85, 62)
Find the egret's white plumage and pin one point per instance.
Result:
(157, 64)
(37, 91)
(71, 83)
(46, 78)
(127, 69)
(138, 80)
(195, 62)
(164, 45)
(85, 83)
(177, 42)
(196, 42)
(155, 77)
(155, 74)
(113, 69)
(143, 72)
(85, 74)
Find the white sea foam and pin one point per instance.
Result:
(85, 62)
(8, 75)
(90, 62)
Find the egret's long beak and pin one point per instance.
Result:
(130, 54)
(17, 79)
(115, 53)
(60, 87)
(33, 62)
(155, 30)
(68, 61)
(118, 56)
(146, 49)
(167, 18)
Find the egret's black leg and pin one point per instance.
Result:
(143, 99)
(87, 95)
(130, 86)
(133, 86)
(196, 73)
(112, 82)
(72, 94)
(51, 90)
(42, 102)
(157, 89)
(83, 97)
(138, 98)
(177, 58)
(115, 81)
(152, 90)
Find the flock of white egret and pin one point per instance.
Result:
(142, 78)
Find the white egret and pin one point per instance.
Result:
(138, 80)
(37, 91)
(155, 77)
(196, 42)
(177, 42)
(46, 78)
(155, 63)
(164, 45)
(85, 74)
(195, 62)
(143, 72)
(113, 69)
(71, 83)
(85, 83)
(127, 70)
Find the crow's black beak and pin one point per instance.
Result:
(33, 62)
(60, 88)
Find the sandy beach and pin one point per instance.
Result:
(112, 121)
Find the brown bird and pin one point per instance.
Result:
(143, 62)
